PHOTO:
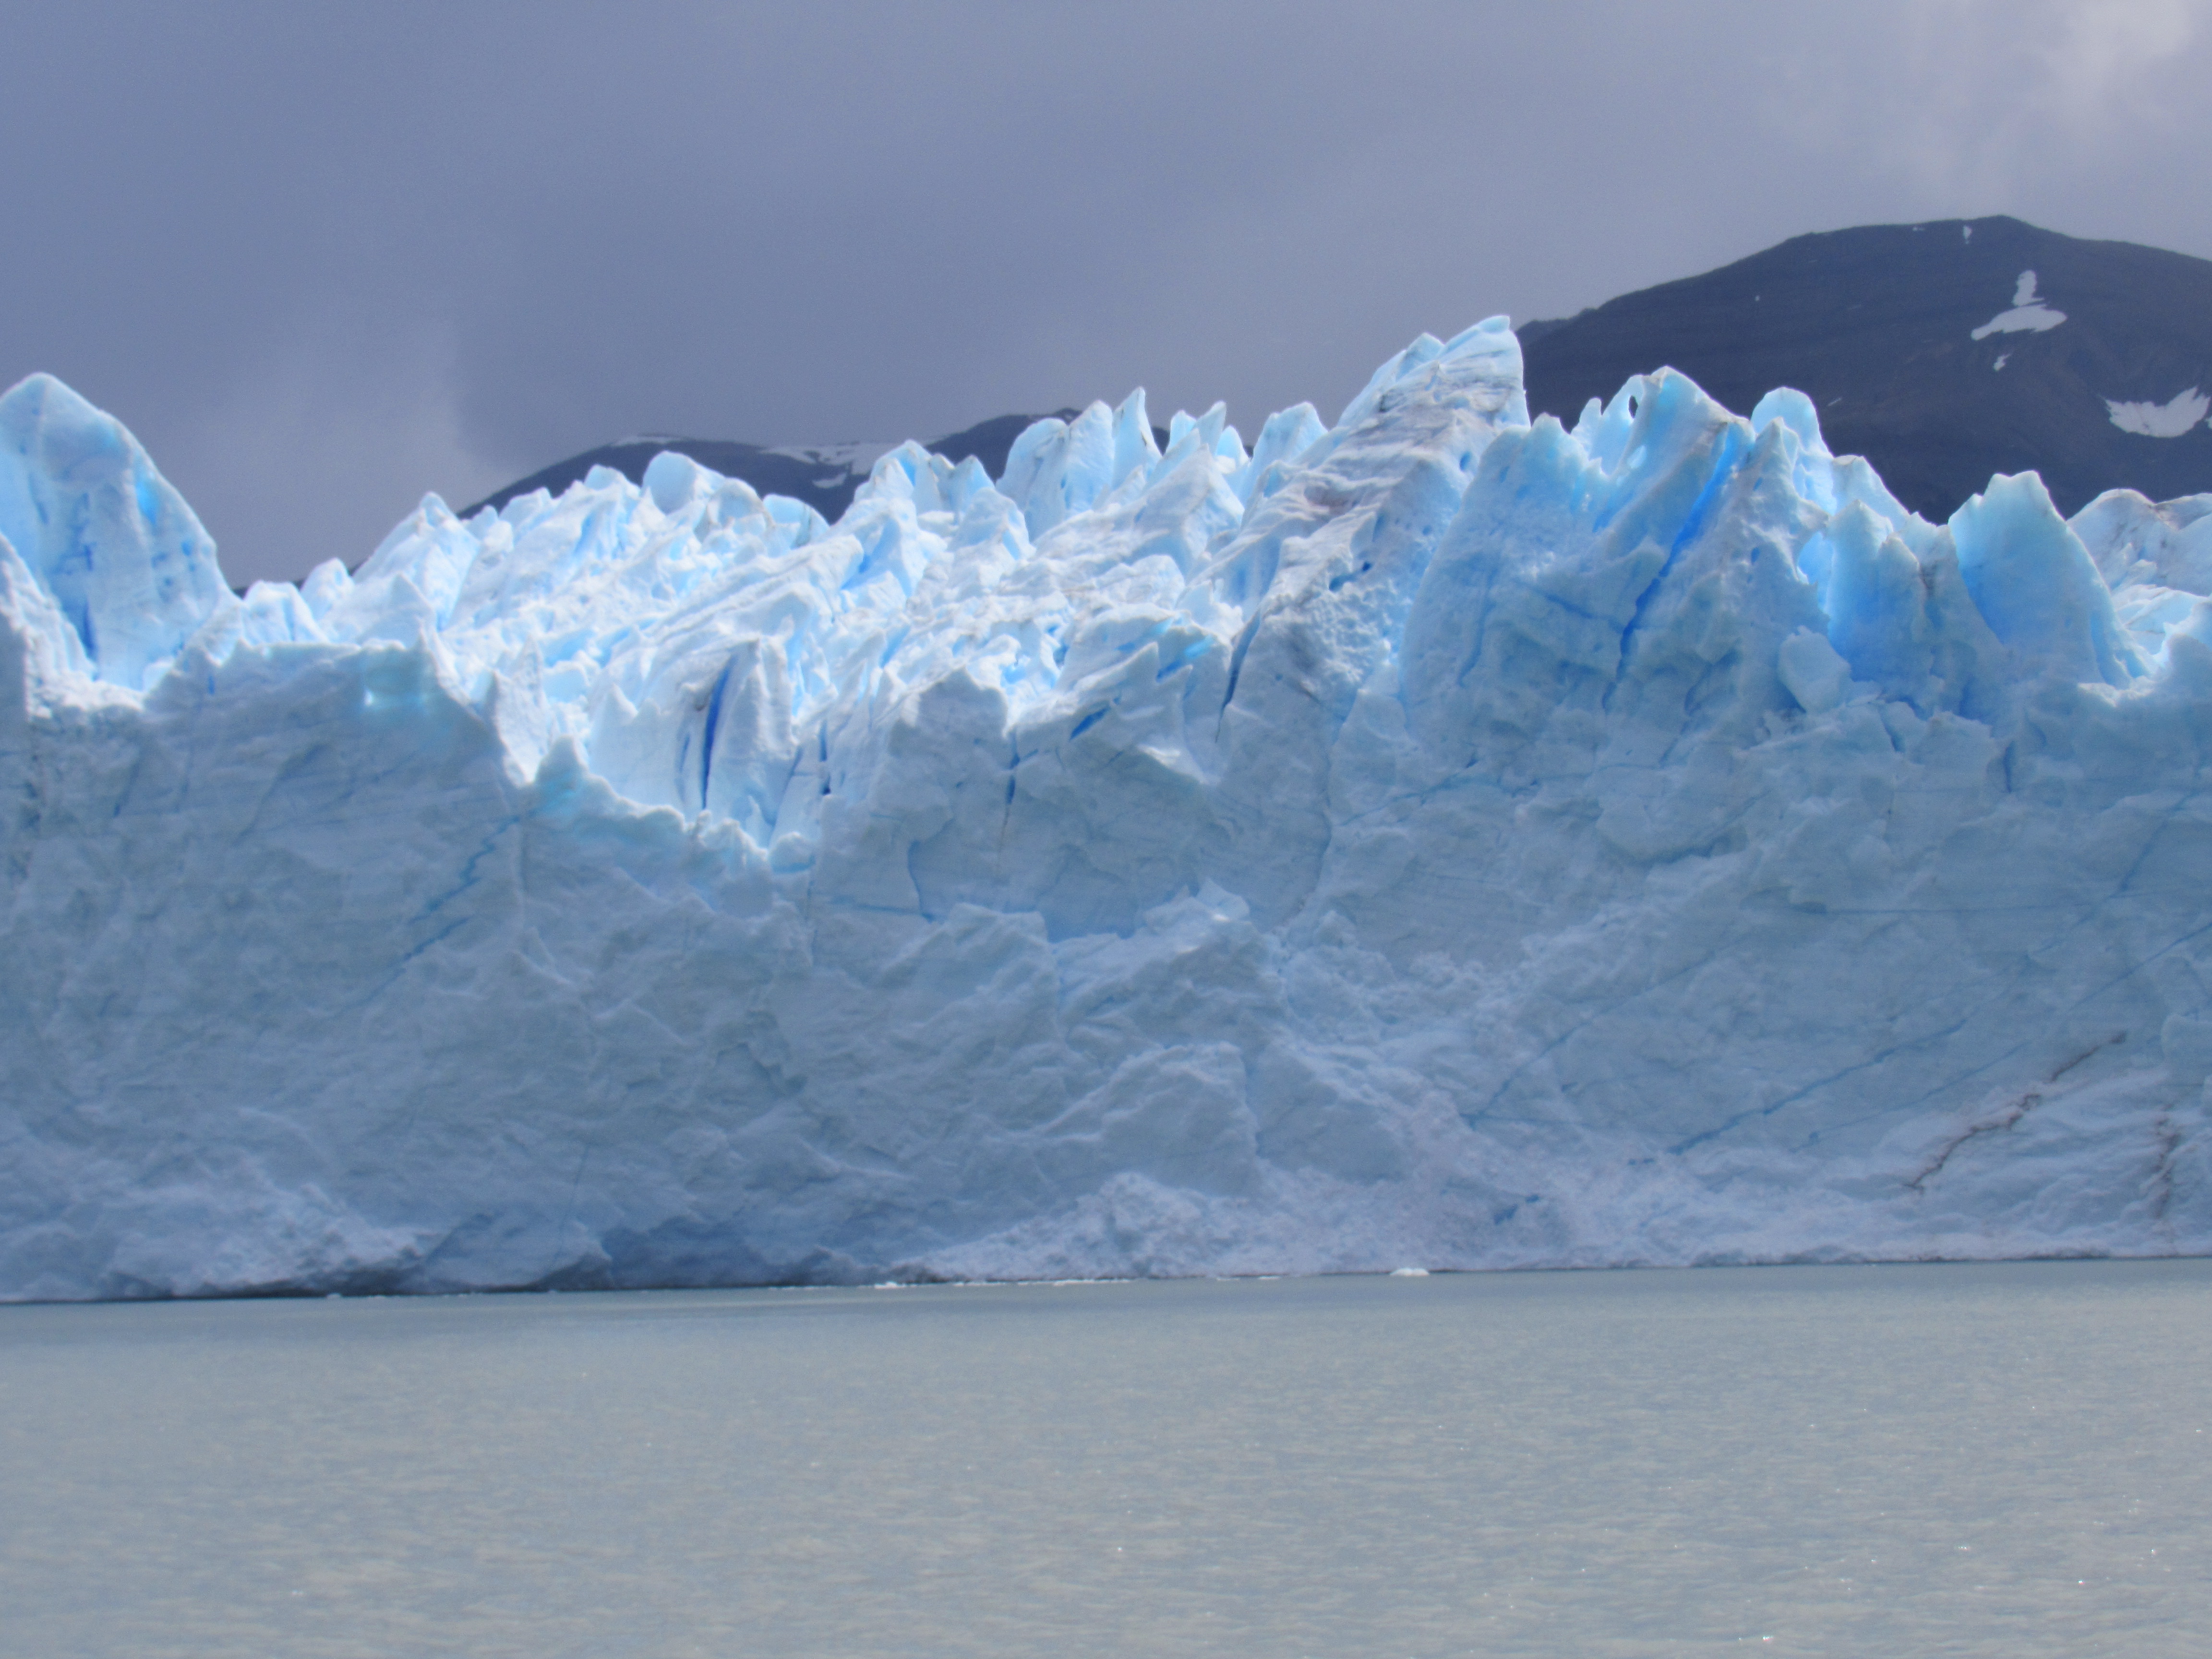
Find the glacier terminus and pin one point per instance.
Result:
(1433, 840)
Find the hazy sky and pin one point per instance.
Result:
(323, 258)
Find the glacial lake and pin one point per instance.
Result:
(2008, 1460)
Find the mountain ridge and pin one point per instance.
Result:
(824, 476)
(1895, 332)
(1914, 345)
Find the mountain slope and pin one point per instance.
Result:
(1928, 350)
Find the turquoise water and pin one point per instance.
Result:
(2006, 1460)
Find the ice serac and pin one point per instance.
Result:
(112, 546)
(1434, 839)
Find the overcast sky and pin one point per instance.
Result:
(324, 259)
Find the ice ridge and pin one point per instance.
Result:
(1430, 839)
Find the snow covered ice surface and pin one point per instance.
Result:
(1430, 841)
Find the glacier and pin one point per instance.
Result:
(1434, 840)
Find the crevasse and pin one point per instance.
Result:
(1430, 840)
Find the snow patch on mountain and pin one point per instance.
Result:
(2028, 315)
(2171, 419)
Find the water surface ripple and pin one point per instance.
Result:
(2011, 1459)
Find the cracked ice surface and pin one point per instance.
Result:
(1433, 840)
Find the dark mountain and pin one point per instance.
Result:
(824, 478)
(1928, 351)
(1926, 347)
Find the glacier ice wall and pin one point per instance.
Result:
(1434, 838)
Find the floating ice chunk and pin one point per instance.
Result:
(2028, 315)
(2171, 419)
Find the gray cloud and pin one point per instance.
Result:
(323, 260)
